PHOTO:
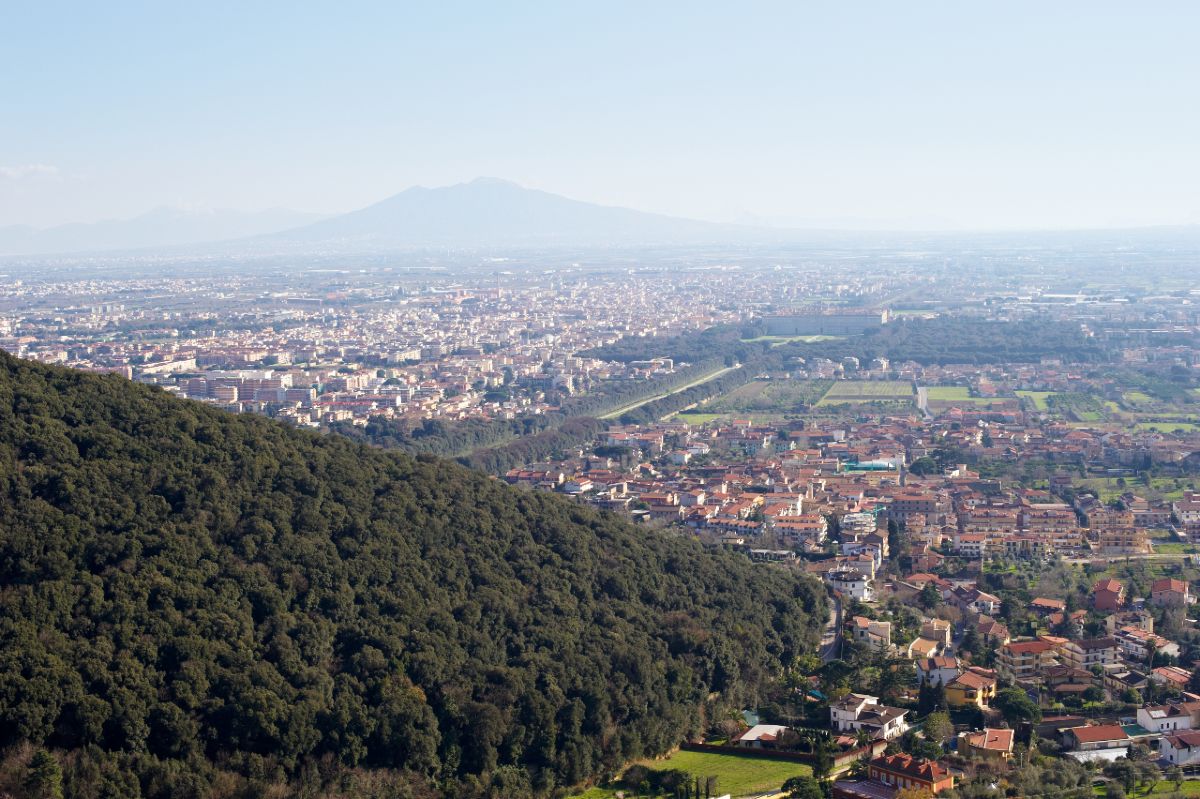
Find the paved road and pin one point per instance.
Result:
(832, 636)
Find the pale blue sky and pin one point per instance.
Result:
(950, 114)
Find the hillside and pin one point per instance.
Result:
(194, 603)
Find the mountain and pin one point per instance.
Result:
(491, 212)
(162, 227)
(195, 603)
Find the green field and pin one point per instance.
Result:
(867, 391)
(1038, 398)
(735, 774)
(698, 418)
(958, 395)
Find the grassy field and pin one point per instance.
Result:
(735, 774)
(1038, 398)
(698, 418)
(867, 391)
(1107, 488)
(959, 395)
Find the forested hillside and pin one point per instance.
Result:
(195, 604)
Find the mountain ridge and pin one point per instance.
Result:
(193, 598)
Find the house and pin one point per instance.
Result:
(993, 633)
(1180, 748)
(1095, 737)
(937, 670)
(1044, 607)
(876, 635)
(990, 744)
(938, 630)
(923, 648)
(1168, 591)
(1024, 660)
(1090, 652)
(855, 712)
(1137, 644)
(1117, 682)
(974, 687)
(1171, 675)
(978, 601)
(851, 583)
(1169, 718)
(1142, 619)
(1107, 595)
(905, 771)
(761, 734)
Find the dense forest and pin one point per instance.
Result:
(946, 340)
(197, 604)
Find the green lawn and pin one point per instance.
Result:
(867, 391)
(698, 418)
(1174, 548)
(735, 774)
(777, 340)
(952, 393)
(1038, 398)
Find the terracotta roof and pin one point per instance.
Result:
(1098, 733)
(996, 740)
(912, 767)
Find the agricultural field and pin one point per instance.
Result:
(959, 395)
(1110, 488)
(868, 391)
(1038, 398)
(770, 397)
(1170, 426)
(736, 774)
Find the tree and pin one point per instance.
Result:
(1175, 775)
(937, 727)
(44, 779)
(804, 788)
(930, 597)
(1016, 706)
(913, 793)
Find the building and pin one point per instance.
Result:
(1090, 652)
(937, 670)
(1137, 645)
(851, 583)
(990, 744)
(1180, 748)
(1107, 595)
(1096, 737)
(856, 712)
(819, 322)
(905, 771)
(761, 734)
(874, 634)
(1169, 718)
(1168, 591)
(971, 688)
(1025, 660)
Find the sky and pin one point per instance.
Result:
(929, 115)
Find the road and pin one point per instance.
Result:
(705, 379)
(832, 636)
(923, 402)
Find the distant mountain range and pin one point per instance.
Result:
(162, 227)
(489, 211)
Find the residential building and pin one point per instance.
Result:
(1090, 652)
(972, 687)
(991, 744)
(856, 712)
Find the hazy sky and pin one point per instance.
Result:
(955, 114)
